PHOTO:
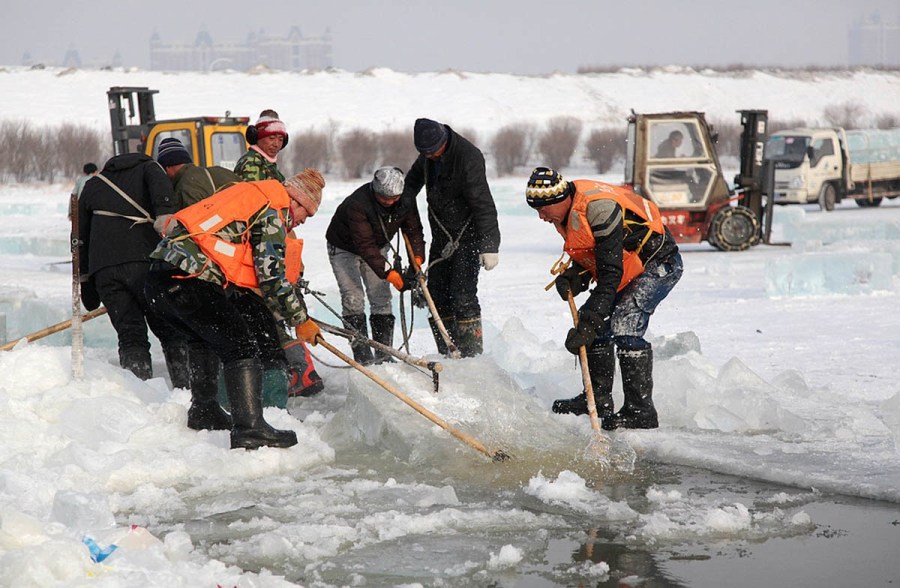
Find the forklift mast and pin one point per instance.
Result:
(128, 138)
(749, 182)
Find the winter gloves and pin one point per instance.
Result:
(574, 278)
(308, 331)
(585, 333)
(396, 280)
(489, 260)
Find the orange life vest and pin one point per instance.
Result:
(234, 253)
(580, 239)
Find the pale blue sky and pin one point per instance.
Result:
(518, 36)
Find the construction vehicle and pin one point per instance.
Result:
(211, 140)
(828, 165)
(686, 180)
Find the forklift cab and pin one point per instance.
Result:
(211, 140)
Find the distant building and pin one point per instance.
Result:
(292, 52)
(874, 42)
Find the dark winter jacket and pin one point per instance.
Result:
(458, 195)
(362, 226)
(193, 184)
(109, 239)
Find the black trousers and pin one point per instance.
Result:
(453, 282)
(121, 289)
(234, 323)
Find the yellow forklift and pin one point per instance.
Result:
(212, 140)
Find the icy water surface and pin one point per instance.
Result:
(371, 520)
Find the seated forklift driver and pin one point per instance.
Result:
(220, 276)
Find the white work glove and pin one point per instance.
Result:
(164, 224)
(489, 260)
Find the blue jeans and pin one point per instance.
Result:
(352, 273)
(635, 303)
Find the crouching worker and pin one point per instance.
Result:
(359, 239)
(616, 239)
(221, 277)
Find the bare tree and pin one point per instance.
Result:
(510, 147)
(310, 148)
(396, 148)
(604, 146)
(77, 145)
(848, 115)
(888, 121)
(557, 143)
(359, 152)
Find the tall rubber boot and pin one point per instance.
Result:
(602, 369)
(450, 325)
(468, 336)
(362, 353)
(205, 411)
(303, 379)
(383, 332)
(137, 361)
(638, 411)
(243, 380)
(178, 364)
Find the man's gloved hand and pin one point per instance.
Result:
(308, 331)
(409, 278)
(395, 279)
(585, 333)
(164, 224)
(574, 278)
(489, 260)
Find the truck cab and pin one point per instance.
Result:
(809, 165)
(211, 140)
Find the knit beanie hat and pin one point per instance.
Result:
(305, 189)
(267, 126)
(172, 152)
(388, 181)
(429, 135)
(546, 186)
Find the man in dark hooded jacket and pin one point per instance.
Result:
(464, 230)
(115, 215)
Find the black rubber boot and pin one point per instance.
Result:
(638, 411)
(468, 336)
(178, 364)
(137, 361)
(602, 369)
(362, 353)
(383, 332)
(450, 325)
(205, 411)
(243, 380)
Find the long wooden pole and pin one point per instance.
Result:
(585, 373)
(496, 455)
(404, 357)
(54, 328)
(451, 346)
(77, 332)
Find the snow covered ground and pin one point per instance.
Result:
(776, 380)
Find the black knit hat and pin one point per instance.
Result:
(172, 152)
(428, 135)
(546, 186)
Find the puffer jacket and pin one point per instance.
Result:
(357, 227)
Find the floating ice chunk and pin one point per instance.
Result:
(673, 345)
(508, 557)
(835, 228)
(82, 511)
(816, 274)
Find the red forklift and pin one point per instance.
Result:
(671, 159)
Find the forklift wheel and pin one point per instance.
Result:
(734, 228)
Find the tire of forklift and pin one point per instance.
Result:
(734, 228)
(827, 197)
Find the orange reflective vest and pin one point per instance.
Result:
(234, 253)
(580, 239)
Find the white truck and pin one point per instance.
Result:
(830, 164)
